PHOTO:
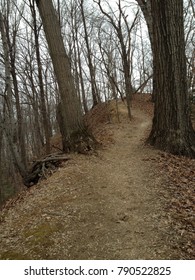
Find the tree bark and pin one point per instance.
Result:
(172, 129)
(74, 133)
(44, 112)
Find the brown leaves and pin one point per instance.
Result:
(96, 120)
(143, 101)
(181, 176)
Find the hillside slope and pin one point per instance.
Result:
(109, 205)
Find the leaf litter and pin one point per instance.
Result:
(128, 201)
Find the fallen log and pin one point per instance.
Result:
(42, 167)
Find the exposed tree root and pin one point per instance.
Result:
(41, 167)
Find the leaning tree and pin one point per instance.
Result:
(75, 136)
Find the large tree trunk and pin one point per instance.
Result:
(172, 129)
(74, 133)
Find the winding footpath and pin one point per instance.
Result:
(105, 206)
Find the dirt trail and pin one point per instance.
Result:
(108, 206)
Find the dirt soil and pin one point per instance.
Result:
(109, 205)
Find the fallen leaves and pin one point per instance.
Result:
(181, 177)
(72, 199)
(97, 119)
(143, 101)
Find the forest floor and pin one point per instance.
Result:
(112, 204)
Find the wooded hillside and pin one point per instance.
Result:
(68, 69)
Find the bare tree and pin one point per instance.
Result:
(95, 95)
(145, 6)
(44, 112)
(74, 134)
(74, 22)
(125, 45)
(9, 122)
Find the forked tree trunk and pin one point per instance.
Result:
(172, 129)
(74, 134)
